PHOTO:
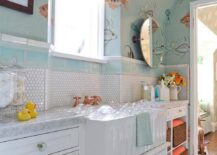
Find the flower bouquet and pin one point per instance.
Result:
(175, 82)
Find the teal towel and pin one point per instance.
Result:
(144, 135)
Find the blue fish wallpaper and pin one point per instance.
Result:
(122, 22)
(172, 38)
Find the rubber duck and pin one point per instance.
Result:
(33, 113)
(23, 115)
(30, 105)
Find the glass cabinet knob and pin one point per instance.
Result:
(42, 146)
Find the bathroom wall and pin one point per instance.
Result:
(117, 81)
(119, 22)
(35, 60)
(177, 40)
(24, 25)
(131, 17)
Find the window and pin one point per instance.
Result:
(79, 27)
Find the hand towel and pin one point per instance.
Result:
(144, 135)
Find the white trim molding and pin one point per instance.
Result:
(121, 58)
(193, 73)
(77, 57)
(175, 66)
(5, 38)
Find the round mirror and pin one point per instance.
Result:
(149, 27)
(146, 41)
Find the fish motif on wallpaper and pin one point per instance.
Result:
(183, 48)
(116, 3)
(43, 10)
(146, 14)
(186, 20)
(180, 1)
(109, 34)
(147, 8)
(149, 12)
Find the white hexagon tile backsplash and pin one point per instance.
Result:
(35, 86)
(57, 88)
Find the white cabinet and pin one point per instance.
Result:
(64, 142)
(177, 112)
(172, 114)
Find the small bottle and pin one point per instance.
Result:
(157, 93)
(164, 92)
(152, 93)
(146, 92)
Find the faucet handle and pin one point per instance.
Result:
(96, 100)
(76, 100)
(86, 100)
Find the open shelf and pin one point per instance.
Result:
(174, 114)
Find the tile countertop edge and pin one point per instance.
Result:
(178, 103)
(32, 128)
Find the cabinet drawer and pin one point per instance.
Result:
(42, 144)
(176, 112)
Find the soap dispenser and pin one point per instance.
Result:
(164, 93)
(152, 93)
(145, 91)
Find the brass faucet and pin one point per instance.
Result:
(76, 101)
(93, 100)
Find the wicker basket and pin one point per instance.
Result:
(168, 134)
(179, 134)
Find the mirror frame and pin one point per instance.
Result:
(16, 6)
(152, 27)
(147, 53)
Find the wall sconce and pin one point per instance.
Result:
(116, 3)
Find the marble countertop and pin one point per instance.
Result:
(47, 121)
(57, 119)
(166, 104)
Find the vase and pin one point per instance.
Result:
(174, 92)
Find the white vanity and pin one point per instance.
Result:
(63, 132)
(52, 133)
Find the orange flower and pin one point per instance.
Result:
(173, 73)
(178, 79)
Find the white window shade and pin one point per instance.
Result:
(78, 27)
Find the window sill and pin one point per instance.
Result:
(76, 57)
